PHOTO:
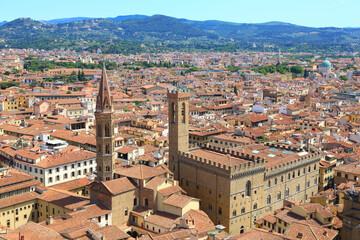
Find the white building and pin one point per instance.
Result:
(53, 168)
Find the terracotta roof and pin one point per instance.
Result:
(179, 201)
(119, 185)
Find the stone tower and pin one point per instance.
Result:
(104, 116)
(178, 127)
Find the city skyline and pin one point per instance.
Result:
(334, 13)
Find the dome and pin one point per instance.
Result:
(326, 64)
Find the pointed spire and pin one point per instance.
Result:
(104, 99)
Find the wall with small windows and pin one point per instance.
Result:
(57, 174)
(17, 215)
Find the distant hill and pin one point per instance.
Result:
(65, 20)
(83, 32)
(126, 17)
(2, 23)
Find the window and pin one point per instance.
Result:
(255, 206)
(72, 165)
(282, 178)
(126, 212)
(293, 175)
(275, 181)
(234, 213)
(287, 192)
(220, 210)
(57, 169)
(269, 183)
(65, 168)
(135, 201)
(107, 149)
(50, 171)
(315, 180)
(243, 210)
(57, 178)
(299, 172)
(210, 207)
(279, 196)
(73, 174)
(289, 176)
(79, 164)
(308, 183)
(79, 172)
(146, 202)
(50, 179)
(298, 188)
(268, 200)
(314, 166)
(248, 189)
(242, 229)
(346, 175)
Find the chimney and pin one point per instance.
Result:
(51, 220)
(300, 235)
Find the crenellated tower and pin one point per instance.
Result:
(178, 101)
(104, 117)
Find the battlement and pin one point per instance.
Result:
(178, 93)
(306, 159)
(283, 147)
(250, 161)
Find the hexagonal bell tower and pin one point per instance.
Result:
(104, 118)
(178, 101)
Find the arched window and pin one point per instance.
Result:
(298, 188)
(279, 196)
(314, 166)
(282, 178)
(242, 229)
(289, 176)
(268, 200)
(294, 174)
(183, 111)
(107, 168)
(146, 202)
(234, 213)
(107, 131)
(255, 206)
(210, 207)
(308, 183)
(315, 180)
(248, 189)
(135, 201)
(220, 211)
(172, 114)
(107, 149)
(299, 172)
(287, 192)
(275, 181)
(243, 210)
(269, 183)
(309, 169)
(98, 130)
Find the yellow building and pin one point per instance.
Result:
(326, 172)
(15, 102)
(17, 198)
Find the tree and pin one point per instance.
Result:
(235, 90)
(72, 77)
(7, 73)
(344, 78)
(306, 73)
(297, 69)
(68, 92)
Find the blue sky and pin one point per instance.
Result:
(317, 13)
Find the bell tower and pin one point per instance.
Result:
(178, 101)
(104, 118)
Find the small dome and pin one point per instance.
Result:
(157, 155)
(326, 63)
